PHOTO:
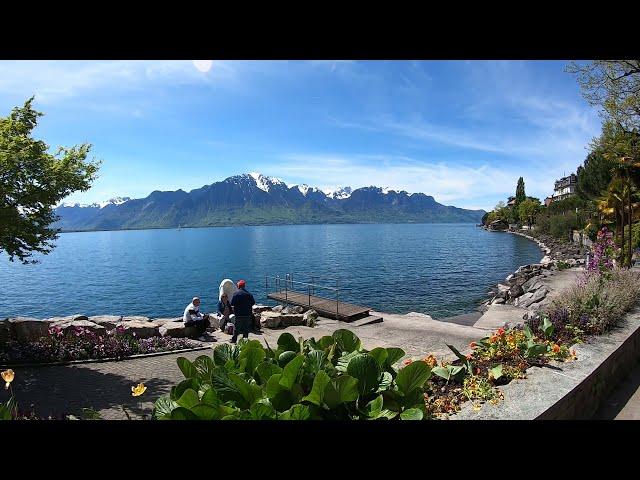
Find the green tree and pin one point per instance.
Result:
(528, 209)
(520, 195)
(594, 175)
(33, 181)
(613, 85)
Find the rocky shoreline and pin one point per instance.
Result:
(524, 287)
(26, 329)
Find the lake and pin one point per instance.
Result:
(439, 269)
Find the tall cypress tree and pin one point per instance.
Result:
(520, 195)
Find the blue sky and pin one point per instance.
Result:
(460, 131)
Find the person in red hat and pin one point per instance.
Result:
(242, 303)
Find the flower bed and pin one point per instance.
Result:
(78, 343)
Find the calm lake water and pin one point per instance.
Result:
(439, 269)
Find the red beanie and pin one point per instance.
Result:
(241, 283)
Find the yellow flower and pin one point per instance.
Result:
(138, 390)
(7, 376)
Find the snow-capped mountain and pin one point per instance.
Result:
(265, 183)
(253, 198)
(339, 193)
(111, 201)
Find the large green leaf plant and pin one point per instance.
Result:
(331, 378)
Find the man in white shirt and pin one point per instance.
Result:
(193, 317)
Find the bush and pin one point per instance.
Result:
(543, 224)
(560, 226)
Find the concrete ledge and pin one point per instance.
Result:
(101, 360)
(568, 390)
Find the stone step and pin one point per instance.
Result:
(365, 321)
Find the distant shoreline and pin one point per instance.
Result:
(265, 225)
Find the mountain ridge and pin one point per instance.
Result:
(255, 199)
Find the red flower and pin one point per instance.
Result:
(469, 356)
(408, 361)
(555, 348)
(473, 344)
(500, 331)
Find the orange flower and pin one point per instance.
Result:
(469, 356)
(430, 360)
(500, 331)
(573, 353)
(408, 361)
(473, 344)
(555, 348)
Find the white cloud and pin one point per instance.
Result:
(53, 81)
(456, 184)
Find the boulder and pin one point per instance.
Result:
(270, 319)
(136, 318)
(291, 320)
(497, 301)
(140, 328)
(515, 291)
(519, 280)
(161, 321)
(503, 288)
(177, 330)
(70, 327)
(26, 329)
(310, 318)
(532, 284)
(277, 308)
(522, 299)
(261, 308)
(293, 309)
(67, 319)
(532, 297)
(107, 321)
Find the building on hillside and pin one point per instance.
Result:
(563, 188)
(511, 201)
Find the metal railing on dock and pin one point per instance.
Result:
(286, 289)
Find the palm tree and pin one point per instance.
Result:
(611, 205)
(626, 175)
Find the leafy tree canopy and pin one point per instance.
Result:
(614, 86)
(33, 182)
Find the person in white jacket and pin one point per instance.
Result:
(193, 317)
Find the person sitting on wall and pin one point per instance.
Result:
(224, 311)
(194, 318)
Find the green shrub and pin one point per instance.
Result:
(542, 223)
(561, 225)
(332, 378)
